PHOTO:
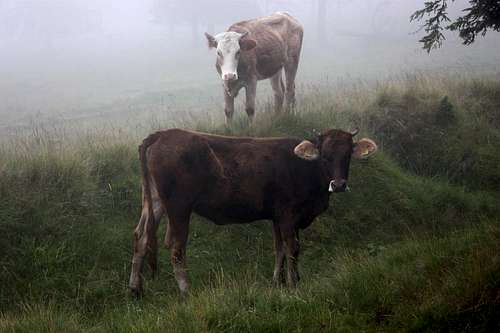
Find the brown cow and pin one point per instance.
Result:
(237, 180)
(254, 50)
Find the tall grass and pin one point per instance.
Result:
(414, 246)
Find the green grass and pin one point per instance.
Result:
(413, 247)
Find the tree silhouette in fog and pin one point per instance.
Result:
(480, 17)
(202, 15)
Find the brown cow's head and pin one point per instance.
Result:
(334, 149)
(229, 46)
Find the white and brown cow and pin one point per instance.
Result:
(255, 50)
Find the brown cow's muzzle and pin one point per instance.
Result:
(338, 185)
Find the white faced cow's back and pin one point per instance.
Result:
(254, 50)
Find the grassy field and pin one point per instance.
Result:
(414, 247)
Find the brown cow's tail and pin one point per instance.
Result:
(149, 224)
(146, 181)
(146, 186)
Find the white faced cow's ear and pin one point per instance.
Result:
(364, 148)
(306, 150)
(211, 41)
(246, 44)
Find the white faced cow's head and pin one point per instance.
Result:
(229, 46)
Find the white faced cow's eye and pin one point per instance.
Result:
(219, 53)
(238, 54)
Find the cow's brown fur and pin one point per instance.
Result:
(278, 40)
(233, 180)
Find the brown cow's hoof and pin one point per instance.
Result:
(136, 293)
(293, 279)
(183, 286)
(278, 282)
(279, 279)
(154, 272)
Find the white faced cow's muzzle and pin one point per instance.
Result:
(228, 77)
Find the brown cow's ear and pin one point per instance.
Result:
(306, 150)
(364, 148)
(211, 41)
(246, 44)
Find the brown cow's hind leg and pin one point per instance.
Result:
(135, 282)
(152, 246)
(178, 230)
(145, 243)
(142, 242)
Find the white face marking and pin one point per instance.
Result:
(228, 54)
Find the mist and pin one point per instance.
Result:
(76, 59)
(126, 172)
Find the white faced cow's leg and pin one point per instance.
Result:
(278, 90)
(291, 66)
(279, 273)
(178, 234)
(251, 91)
(290, 72)
(145, 243)
(228, 107)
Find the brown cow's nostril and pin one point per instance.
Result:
(338, 185)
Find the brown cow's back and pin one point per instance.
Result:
(226, 179)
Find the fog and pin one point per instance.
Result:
(75, 59)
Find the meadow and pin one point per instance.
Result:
(413, 248)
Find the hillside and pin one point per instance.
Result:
(414, 246)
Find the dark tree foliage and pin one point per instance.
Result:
(478, 18)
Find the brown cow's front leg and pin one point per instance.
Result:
(178, 234)
(291, 241)
(251, 90)
(279, 273)
(228, 107)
